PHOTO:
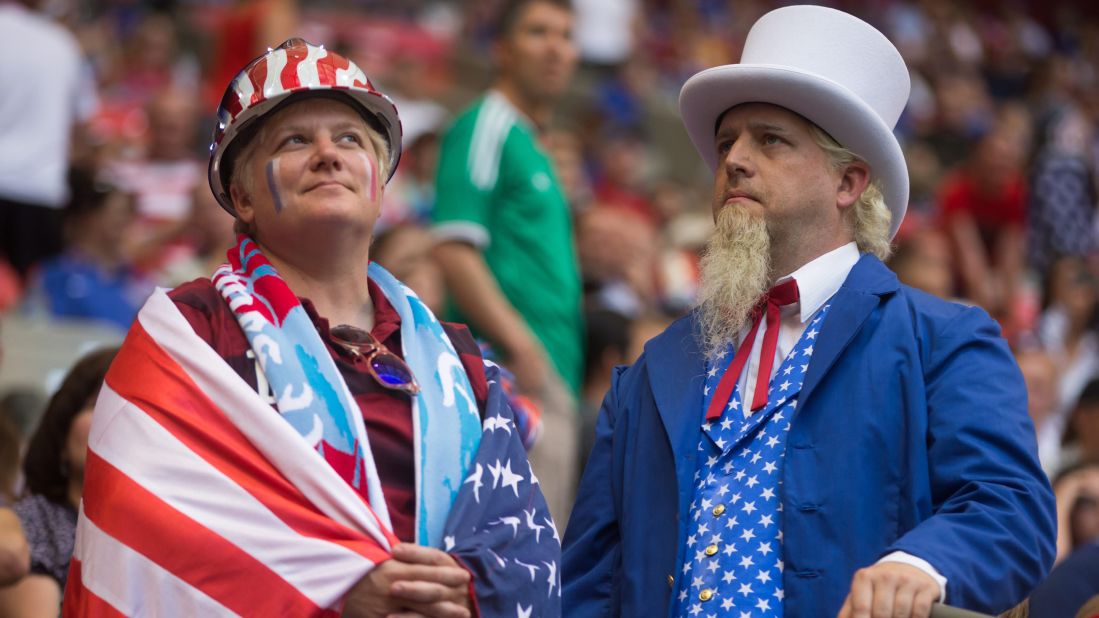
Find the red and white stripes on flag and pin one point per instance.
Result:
(190, 476)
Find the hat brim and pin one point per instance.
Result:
(830, 106)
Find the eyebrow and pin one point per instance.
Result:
(755, 126)
(766, 126)
(339, 126)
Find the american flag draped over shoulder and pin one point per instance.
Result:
(199, 500)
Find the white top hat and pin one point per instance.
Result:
(834, 69)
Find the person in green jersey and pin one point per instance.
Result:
(505, 233)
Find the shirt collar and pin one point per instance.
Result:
(821, 278)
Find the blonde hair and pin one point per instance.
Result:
(241, 174)
(869, 218)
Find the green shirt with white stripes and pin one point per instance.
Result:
(496, 189)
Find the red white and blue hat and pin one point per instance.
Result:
(295, 67)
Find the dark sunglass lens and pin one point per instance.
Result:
(351, 334)
(391, 370)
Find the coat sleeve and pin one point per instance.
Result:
(992, 529)
(591, 549)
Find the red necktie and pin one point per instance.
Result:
(778, 296)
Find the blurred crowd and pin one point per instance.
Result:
(1000, 135)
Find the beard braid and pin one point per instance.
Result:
(735, 272)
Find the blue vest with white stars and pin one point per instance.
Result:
(733, 563)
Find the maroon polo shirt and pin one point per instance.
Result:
(387, 413)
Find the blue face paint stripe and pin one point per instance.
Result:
(271, 165)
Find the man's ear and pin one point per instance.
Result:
(853, 181)
(242, 203)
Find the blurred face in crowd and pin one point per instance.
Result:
(172, 122)
(313, 170)
(1073, 288)
(107, 227)
(76, 445)
(1040, 375)
(1085, 421)
(538, 54)
(923, 262)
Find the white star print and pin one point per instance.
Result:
(691, 541)
(727, 603)
(726, 424)
(740, 474)
(475, 478)
(789, 368)
(785, 385)
(520, 612)
(764, 548)
(683, 595)
(720, 443)
(779, 594)
(712, 567)
(746, 562)
(732, 523)
(712, 372)
(768, 493)
(766, 521)
(804, 368)
(756, 457)
(812, 334)
(706, 390)
(770, 466)
(727, 468)
(763, 604)
(747, 535)
(763, 577)
(745, 589)
(697, 582)
(749, 507)
(721, 491)
(729, 549)
(696, 609)
(728, 579)
(752, 481)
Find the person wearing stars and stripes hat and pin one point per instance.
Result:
(815, 439)
(298, 435)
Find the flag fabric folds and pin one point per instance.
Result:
(200, 500)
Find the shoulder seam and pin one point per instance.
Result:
(490, 131)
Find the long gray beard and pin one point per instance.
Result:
(736, 270)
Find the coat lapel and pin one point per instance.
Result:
(860, 294)
(676, 373)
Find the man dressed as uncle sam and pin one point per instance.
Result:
(815, 439)
(298, 435)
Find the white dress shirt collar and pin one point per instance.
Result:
(821, 278)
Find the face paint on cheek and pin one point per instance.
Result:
(272, 186)
(371, 175)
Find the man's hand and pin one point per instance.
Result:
(417, 581)
(890, 590)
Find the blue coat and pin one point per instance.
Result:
(911, 434)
